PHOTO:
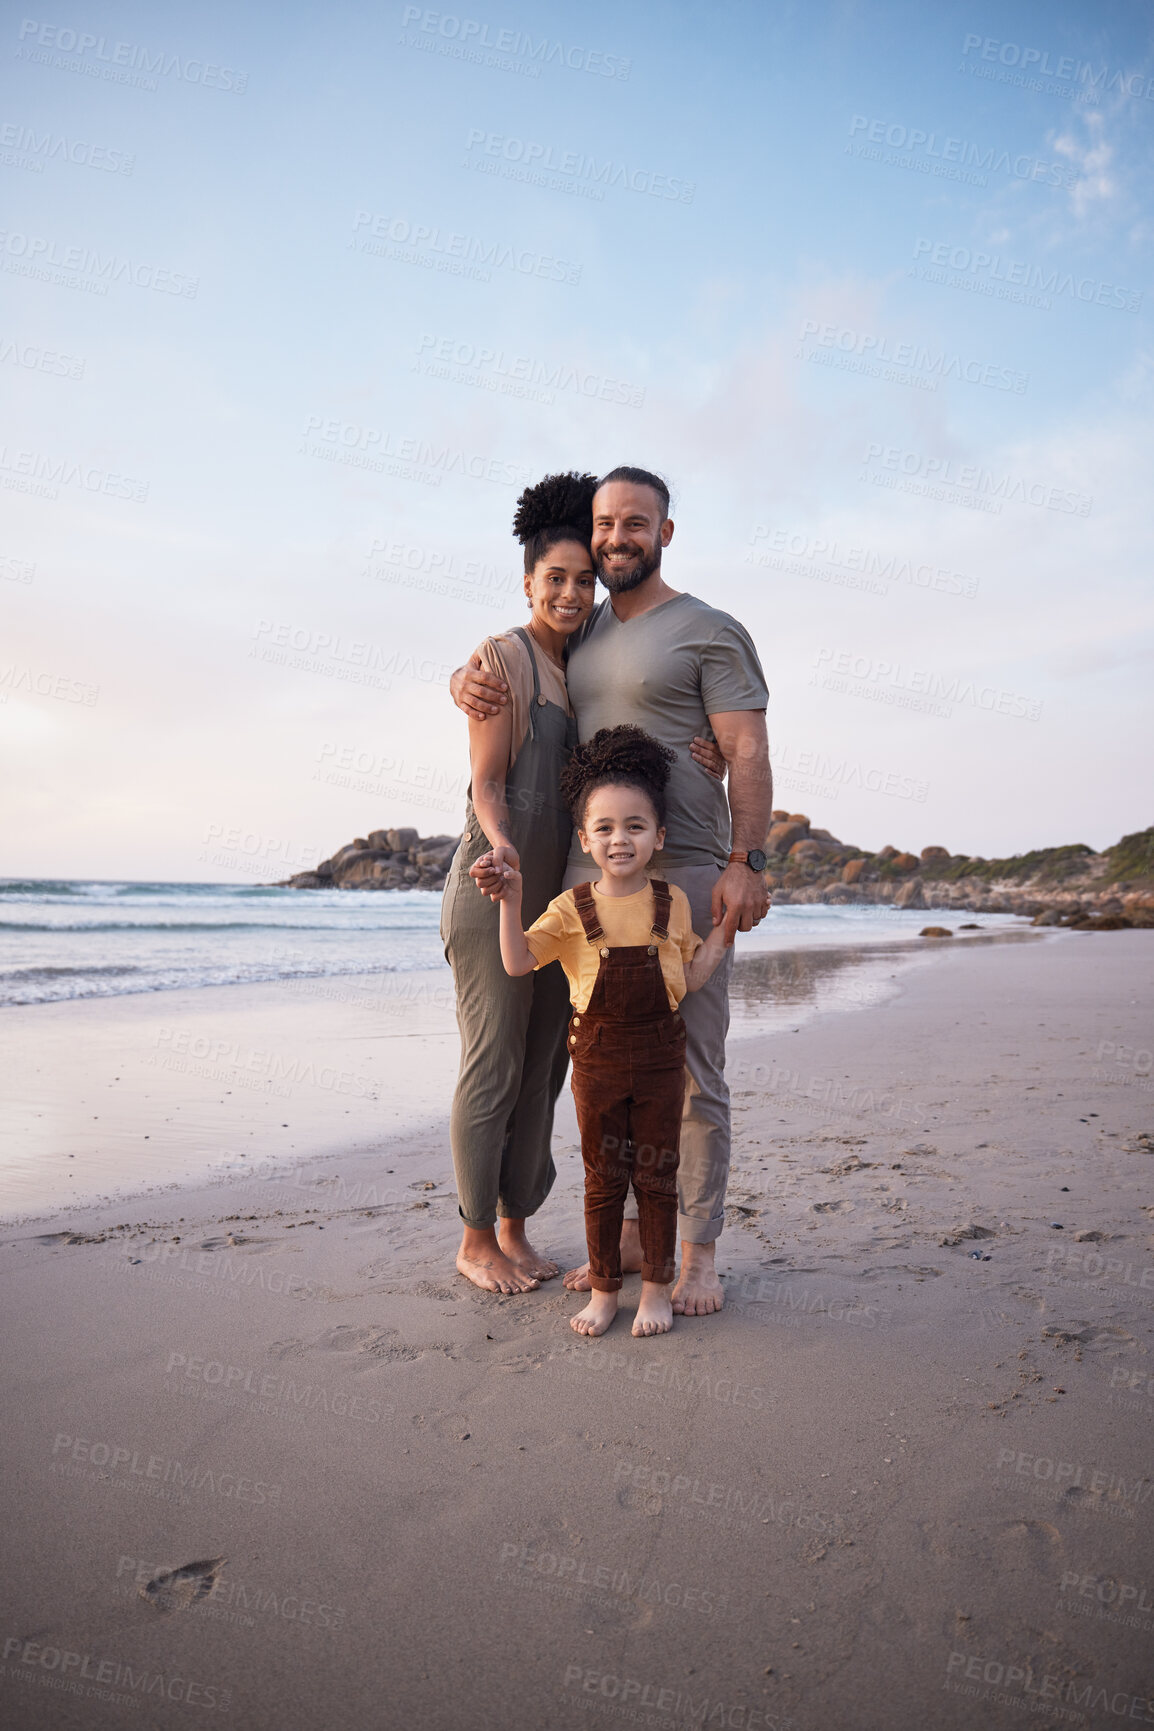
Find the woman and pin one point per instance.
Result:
(513, 1055)
(513, 1031)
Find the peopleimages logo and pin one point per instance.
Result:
(989, 485)
(575, 166)
(931, 153)
(37, 148)
(471, 34)
(987, 269)
(1036, 61)
(119, 62)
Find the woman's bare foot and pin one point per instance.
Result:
(698, 1291)
(516, 1249)
(577, 1279)
(481, 1260)
(655, 1312)
(597, 1314)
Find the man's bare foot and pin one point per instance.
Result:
(577, 1279)
(697, 1290)
(597, 1314)
(516, 1249)
(655, 1312)
(481, 1260)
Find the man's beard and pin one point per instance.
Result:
(621, 582)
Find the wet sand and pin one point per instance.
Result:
(902, 1481)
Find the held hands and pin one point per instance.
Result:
(744, 898)
(496, 873)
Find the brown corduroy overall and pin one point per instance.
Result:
(628, 1052)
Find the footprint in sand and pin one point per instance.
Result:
(379, 1342)
(177, 1589)
(238, 1241)
(842, 1206)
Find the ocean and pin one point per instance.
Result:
(68, 939)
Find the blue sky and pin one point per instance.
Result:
(284, 335)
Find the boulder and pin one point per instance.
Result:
(911, 895)
(367, 872)
(935, 856)
(401, 840)
(379, 838)
(799, 817)
(851, 872)
(806, 849)
(905, 862)
(438, 857)
(886, 853)
(783, 835)
(345, 853)
(779, 817)
(935, 932)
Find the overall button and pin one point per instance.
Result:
(572, 1039)
(576, 1021)
(542, 699)
(653, 949)
(605, 952)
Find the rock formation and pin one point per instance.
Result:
(1056, 886)
(385, 859)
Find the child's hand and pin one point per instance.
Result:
(510, 887)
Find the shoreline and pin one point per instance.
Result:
(164, 1089)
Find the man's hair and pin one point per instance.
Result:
(559, 508)
(623, 756)
(639, 478)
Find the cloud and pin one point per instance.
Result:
(1092, 159)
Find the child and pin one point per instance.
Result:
(630, 954)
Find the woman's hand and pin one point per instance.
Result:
(488, 873)
(708, 754)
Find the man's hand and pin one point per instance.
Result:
(743, 896)
(478, 693)
(488, 873)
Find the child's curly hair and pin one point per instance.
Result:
(617, 757)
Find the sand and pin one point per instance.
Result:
(269, 1457)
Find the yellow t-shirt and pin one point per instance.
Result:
(559, 936)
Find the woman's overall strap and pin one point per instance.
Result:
(662, 908)
(586, 908)
(527, 639)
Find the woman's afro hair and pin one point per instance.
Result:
(558, 508)
(617, 757)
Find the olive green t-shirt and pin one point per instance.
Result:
(667, 671)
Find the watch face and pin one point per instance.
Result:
(756, 860)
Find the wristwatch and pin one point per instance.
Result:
(754, 859)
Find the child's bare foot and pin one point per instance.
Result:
(577, 1279)
(481, 1260)
(516, 1249)
(655, 1312)
(597, 1314)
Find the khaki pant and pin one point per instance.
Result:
(704, 1167)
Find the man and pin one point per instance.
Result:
(670, 663)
